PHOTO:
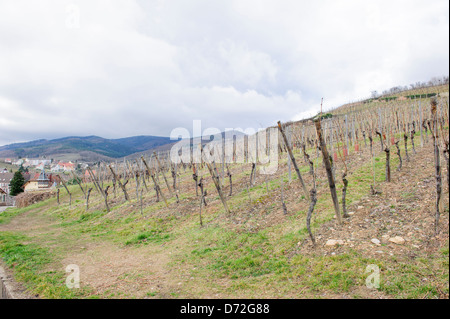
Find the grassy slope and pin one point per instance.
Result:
(236, 256)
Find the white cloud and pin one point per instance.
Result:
(146, 67)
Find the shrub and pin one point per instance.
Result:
(16, 184)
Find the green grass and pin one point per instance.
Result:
(249, 261)
(7, 215)
(29, 262)
(418, 279)
(154, 236)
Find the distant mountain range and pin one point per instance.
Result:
(84, 148)
(90, 148)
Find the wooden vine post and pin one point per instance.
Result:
(405, 138)
(200, 184)
(122, 186)
(291, 155)
(155, 182)
(216, 181)
(195, 177)
(344, 181)
(87, 198)
(327, 163)
(346, 150)
(437, 161)
(231, 181)
(399, 156)
(312, 204)
(420, 124)
(138, 183)
(173, 169)
(162, 171)
(104, 193)
(105, 196)
(91, 174)
(68, 192)
(388, 158)
(445, 141)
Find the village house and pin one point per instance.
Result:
(41, 181)
(37, 161)
(5, 199)
(31, 184)
(18, 162)
(2, 196)
(5, 179)
(63, 167)
(69, 166)
(56, 168)
(40, 167)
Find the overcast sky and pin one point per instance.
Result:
(118, 68)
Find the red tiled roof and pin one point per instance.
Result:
(68, 165)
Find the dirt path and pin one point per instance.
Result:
(121, 272)
(109, 269)
(29, 222)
